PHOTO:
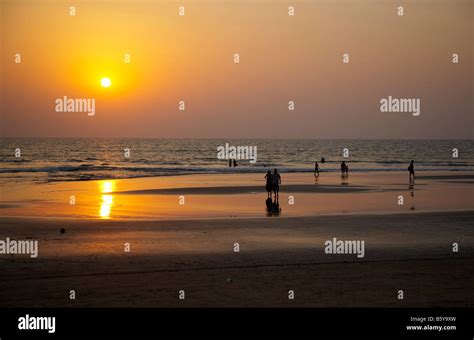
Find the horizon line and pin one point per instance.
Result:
(234, 138)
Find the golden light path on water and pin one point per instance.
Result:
(106, 187)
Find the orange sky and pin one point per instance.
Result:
(282, 58)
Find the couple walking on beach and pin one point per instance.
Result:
(273, 183)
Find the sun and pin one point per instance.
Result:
(105, 82)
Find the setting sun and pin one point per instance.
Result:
(105, 82)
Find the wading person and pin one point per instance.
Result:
(343, 168)
(411, 169)
(276, 181)
(268, 185)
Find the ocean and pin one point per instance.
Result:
(76, 159)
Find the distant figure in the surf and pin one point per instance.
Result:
(268, 184)
(323, 160)
(276, 181)
(411, 169)
(235, 163)
(343, 168)
(316, 169)
(230, 163)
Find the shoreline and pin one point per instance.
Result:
(443, 174)
(239, 196)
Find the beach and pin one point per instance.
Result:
(192, 246)
(300, 169)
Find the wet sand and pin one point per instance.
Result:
(405, 249)
(239, 196)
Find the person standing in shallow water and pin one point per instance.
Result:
(276, 181)
(411, 169)
(316, 169)
(268, 185)
(343, 168)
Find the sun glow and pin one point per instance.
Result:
(105, 82)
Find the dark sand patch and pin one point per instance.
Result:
(445, 176)
(403, 251)
(232, 190)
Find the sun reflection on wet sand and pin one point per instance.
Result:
(111, 199)
(106, 187)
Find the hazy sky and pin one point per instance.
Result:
(282, 58)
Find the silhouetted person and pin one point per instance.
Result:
(323, 160)
(269, 183)
(411, 169)
(343, 168)
(316, 169)
(235, 163)
(230, 163)
(276, 181)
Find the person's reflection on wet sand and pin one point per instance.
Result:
(411, 187)
(344, 180)
(272, 207)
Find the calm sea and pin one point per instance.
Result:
(47, 160)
